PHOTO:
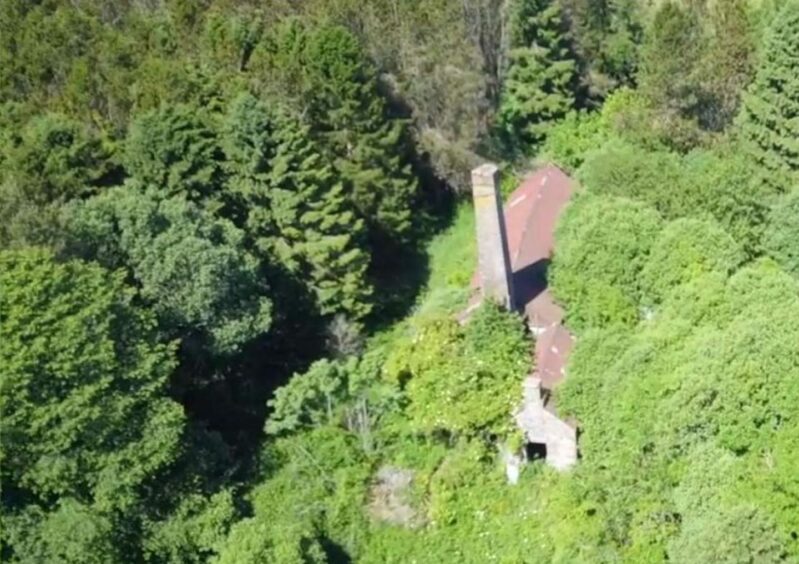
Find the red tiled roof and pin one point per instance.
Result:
(552, 348)
(531, 215)
(532, 212)
(541, 310)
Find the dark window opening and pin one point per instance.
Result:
(535, 451)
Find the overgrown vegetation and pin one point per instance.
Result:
(233, 259)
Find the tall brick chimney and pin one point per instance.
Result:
(494, 266)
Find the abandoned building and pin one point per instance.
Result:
(515, 244)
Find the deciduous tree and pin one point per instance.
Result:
(602, 246)
(686, 249)
(782, 232)
(107, 426)
(191, 266)
(71, 532)
(455, 383)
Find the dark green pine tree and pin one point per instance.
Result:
(293, 209)
(176, 150)
(728, 64)
(768, 124)
(540, 81)
(248, 142)
(370, 148)
(607, 34)
(670, 77)
(319, 232)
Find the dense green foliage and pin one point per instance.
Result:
(454, 383)
(696, 58)
(294, 207)
(49, 162)
(779, 240)
(571, 138)
(685, 249)
(767, 125)
(669, 62)
(189, 264)
(603, 245)
(235, 273)
(175, 150)
(80, 327)
(539, 85)
(86, 423)
(337, 88)
(607, 34)
(701, 183)
(700, 392)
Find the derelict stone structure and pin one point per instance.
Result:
(542, 427)
(494, 266)
(515, 244)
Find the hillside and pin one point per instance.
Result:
(239, 316)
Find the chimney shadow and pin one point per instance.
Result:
(529, 282)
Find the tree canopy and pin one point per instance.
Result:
(603, 244)
(766, 123)
(81, 330)
(189, 265)
(540, 82)
(86, 419)
(687, 248)
(456, 384)
(238, 319)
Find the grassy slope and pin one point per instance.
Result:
(451, 258)
(472, 515)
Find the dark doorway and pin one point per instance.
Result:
(535, 451)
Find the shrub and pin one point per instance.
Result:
(571, 138)
(686, 249)
(601, 247)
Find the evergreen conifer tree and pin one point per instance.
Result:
(607, 35)
(296, 212)
(728, 64)
(43, 164)
(695, 62)
(670, 57)
(248, 143)
(767, 123)
(369, 148)
(319, 232)
(175, 150)
(540, 81)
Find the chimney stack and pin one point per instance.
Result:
(492, 240)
